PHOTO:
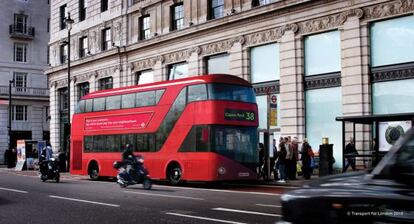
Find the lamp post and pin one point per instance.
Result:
(69, 23)
(9, 127)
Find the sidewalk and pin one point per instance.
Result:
(34, 173)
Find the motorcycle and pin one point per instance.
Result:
(49, 170)
(138, 174)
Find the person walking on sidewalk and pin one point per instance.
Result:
(281, 161)
(289, 156)
(295, 158)
(350, 153)
(306, 157)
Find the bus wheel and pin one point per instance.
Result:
(175, 174)
(94, 171)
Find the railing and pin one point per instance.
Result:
(19, 31)
(24, 91)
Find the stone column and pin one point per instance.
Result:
(291, 86)
(54, 118)
(195, 62)
(355, 77)
(158, 70)
(236, 59)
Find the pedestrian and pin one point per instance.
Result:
(281, 161)
(13, 157)
(289, 156)
(306, 157)
(62, 161)
(295, 158)
(7, 158)
(350, 153)
(261, 159)
(275, 158)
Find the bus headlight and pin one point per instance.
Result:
(221, 170)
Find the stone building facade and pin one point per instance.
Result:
(24, 39)
(320, 59)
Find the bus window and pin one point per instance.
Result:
(88, 106)
(145, 99)
(159, 94)
(80, 108)
(99, 143)
(128, 100)
(113, 143)
(142, 143)
(88, 144)
(128, 139)
(99, 104)
(113, 102)
(197, 93)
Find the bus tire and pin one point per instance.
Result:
(93, 171)
(174, 174)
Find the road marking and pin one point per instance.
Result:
(265, 205)
(163, 195)
(13, 190)
(204, 218)
(85, 201)
(244, 211)
(218, 190)
(265, 186)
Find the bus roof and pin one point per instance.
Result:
(211, 78)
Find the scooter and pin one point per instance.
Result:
(138, 174)
(49, 170)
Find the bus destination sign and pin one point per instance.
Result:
(128, 121)
(239, 115)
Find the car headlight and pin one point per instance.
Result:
(288, 197)
(221, 170)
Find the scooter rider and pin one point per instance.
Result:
(130, 163)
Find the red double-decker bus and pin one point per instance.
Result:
(201, 128)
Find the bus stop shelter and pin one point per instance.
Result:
(374, 154)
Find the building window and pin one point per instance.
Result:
(143, 77)
(260, 2)
(62, 17)
(20, 52)
(20, 23)
(393, 97)
(178, 71)
(82, 10)
(264, 63)
(104, 5)
(47, 113)
(63, 53)
(19, 113)
(20, 81)
(392, 41)
(216, 9)
(320, 121)
(83, 46)
(145, 27)
(105, 83)
(63, 99)
(218, 64)
(106, 39)
(83, 89)
(322, 53)
(177, 16)
(48, 25)
(48, 55)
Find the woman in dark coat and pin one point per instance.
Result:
(282, 162)
(306, 157)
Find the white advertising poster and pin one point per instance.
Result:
(21, 154)
(390, 132)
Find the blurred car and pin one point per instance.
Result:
(382, 195)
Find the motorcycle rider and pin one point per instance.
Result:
(130, 163)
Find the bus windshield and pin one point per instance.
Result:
(237, 143)
(231, 92)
